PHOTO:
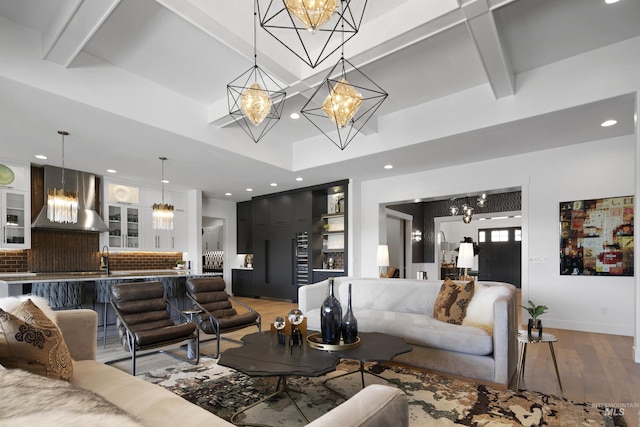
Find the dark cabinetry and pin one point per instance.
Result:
(242, 283)
(286, 239)
(273, 262)
(319, 276)
(244, 235)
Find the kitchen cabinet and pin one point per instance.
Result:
(244, 227)
(302, 204)
(15, 219)
(124, 227)
(280, 210)
(273, 262)
(260, 212)
(166, 240)
(242, 283)
(130, 217)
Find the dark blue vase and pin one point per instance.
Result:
(330, 318)
(349, 324)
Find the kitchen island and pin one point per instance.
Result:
(97, 284)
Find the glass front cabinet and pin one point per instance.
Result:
(124, 227)
(15, 221)
(15, 206)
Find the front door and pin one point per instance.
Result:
(499, 257)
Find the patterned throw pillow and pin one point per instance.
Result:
(29, 340)
(452, 301)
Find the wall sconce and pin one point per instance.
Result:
(416, 235)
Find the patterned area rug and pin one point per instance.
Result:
(433, 399)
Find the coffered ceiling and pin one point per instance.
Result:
(132, 80)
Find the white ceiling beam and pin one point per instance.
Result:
(497, 66)
(72, 28)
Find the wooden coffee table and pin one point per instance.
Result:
(261, 356)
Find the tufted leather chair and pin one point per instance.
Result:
(144, 322)
(217, 313)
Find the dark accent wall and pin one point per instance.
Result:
(501, 202)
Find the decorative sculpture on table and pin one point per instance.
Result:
(331, 318)
(290, 331)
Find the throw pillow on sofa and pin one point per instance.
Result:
(452, 301)
(29, 340)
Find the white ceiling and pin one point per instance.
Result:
(132, 80)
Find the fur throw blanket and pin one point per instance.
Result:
(28, 400)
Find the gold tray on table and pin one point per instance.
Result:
(315, 341)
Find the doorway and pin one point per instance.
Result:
(399, 226)
(212, 244)
(499, 259)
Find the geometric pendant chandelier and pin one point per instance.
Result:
(311, 29)
(343, 103)
(62, 205)
(255, 100)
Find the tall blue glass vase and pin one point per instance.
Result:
(331, 318)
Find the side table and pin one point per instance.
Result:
(523, 340)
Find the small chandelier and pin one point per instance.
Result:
(62, 205)
(312, 13)
(348, 102)
(255, 100)
(162, 216)
(466, 207)
(321, 26)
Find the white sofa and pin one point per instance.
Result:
(484, 347)
(153, 406)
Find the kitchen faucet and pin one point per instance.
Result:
(104, 259)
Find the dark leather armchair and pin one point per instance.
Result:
(144, 321)
(218, 314)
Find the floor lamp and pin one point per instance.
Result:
(383, 259)
(465, 258)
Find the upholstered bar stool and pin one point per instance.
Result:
(103, 296)
(61, 295)
(171, 289)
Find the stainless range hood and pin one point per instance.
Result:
(84, 184)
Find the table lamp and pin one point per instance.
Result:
(383, 258)
(465, 258)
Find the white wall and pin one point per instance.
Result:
(595, 169)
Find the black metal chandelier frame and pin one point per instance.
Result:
(276, 20)
(372, 97)
(240, 84)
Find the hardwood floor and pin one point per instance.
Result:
(596, 368)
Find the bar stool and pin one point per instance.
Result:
(61, 295)
(171, 289)
(103, 296)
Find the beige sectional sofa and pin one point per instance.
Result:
(483, 347)
(153, 406)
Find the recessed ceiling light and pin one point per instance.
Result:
(273, 184)
(112, 171)
(416, 200)
(227, 194)
(41, 157)
(164, 181)
(608, 123)
(388, 166)
(294, 116)
(249, 189)
(611, 1)
(299, 179)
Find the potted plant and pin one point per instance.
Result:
(534, 312)
(180, 264)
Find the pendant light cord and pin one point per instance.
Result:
(255, 50)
